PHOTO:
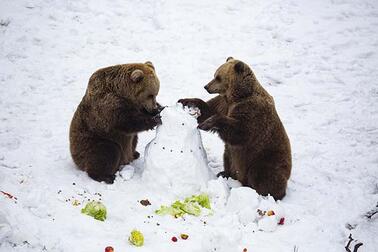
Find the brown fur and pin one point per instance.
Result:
(257, 149)
(119, 102)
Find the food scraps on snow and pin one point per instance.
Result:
(8, 195)
(109, 249)
(95, 209)
(145, 202)
(191, 205)
(184, 236)
(136, 238)
(270, 213)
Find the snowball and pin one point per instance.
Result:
(127, 172)
(247, 215)
(175, 158)
(278, 211)
(267, 223)
(242, 197)
(267, 203)
(218, 192)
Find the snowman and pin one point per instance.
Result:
(175, 159)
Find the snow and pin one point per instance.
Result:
(175, 159)
(318, 59)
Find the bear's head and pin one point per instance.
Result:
(142, 85)
(234, 79)
(135, 82)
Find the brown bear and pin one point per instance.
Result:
(257, 148)
(119, 102)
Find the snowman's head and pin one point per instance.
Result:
(176, 122)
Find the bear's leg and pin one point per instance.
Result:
(136, 154)
(270, 181)
(103, 161)
(226, 164)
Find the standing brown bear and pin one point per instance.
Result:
(257, 148)
(119, 102)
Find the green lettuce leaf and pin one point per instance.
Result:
(95, 209)
(136, 238)
(191, 205)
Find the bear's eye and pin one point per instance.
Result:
(151, 97)
(218, 78)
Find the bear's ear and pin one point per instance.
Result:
(239, 67)
(137, 75)
(149, 63)
(229, 58)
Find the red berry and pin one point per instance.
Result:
(174, 239)
(109, 249)
(244, 250)
(282, 221)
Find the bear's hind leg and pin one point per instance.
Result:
(226, 164)
(136, 154)
(103, 161)
(270, 182)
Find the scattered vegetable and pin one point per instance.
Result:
(109, 249)
(191, 205)
(282, 221)
(202, 200)
(75, 202)
(136, 238)
(8, 195)
(174, 239)
(145, 202)
(260, 212)
(270, 213)
(184, 236)
(95, 209)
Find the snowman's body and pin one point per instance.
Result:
(175, 158)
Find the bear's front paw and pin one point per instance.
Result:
(210, 123)
(153, 121)
(157, 119)
(191, 102)
(136, 155)
(223, 174)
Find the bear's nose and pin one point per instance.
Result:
(207, 88)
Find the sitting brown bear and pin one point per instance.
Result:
(257, 149)
(119, 102)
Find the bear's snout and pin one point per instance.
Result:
(207, 88)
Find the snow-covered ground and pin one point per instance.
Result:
(317, 58)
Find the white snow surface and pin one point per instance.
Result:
(175, 159)
(318, 59)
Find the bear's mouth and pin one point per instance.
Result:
(153, 112)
